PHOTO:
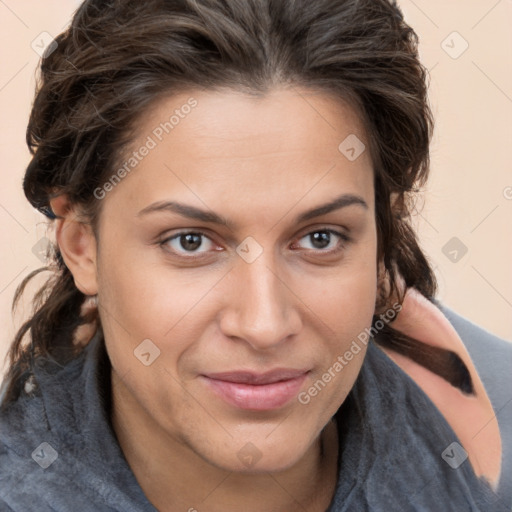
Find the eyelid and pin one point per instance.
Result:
(338, 230)
(164, 241)
(345, 239)
(341, 233)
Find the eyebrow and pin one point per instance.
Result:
(195, 213)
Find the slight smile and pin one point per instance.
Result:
(257, 392)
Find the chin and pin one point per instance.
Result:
(257, 457)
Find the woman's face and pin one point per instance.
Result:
(268, 278)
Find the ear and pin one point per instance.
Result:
(77, 244)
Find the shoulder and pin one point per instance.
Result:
(22, 432)
(491, 355)
(395, 440)
(472, 417)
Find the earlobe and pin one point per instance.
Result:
(77, 244)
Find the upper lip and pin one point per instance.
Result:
(248, 377)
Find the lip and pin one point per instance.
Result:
(248, 377)
(259, 392)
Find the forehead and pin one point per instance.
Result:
(289, 143)
(301, 118)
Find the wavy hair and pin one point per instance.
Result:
(118, 57)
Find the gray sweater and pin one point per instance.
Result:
(58, 451)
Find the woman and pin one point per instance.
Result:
(240, 315)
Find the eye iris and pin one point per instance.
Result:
(190, 241)
(321, 237)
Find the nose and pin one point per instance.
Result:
(262, 308)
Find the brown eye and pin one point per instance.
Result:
(325, 240)
(188, 242)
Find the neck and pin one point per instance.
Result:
(174, 477)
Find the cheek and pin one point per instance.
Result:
(145, 298)
(345, 297)
(127, 295)
(345, 305)
(347, 308)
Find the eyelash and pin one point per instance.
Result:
(344, 240)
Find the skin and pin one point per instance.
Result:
(471, 416)
(259, 163)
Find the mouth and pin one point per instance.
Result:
(257, 392)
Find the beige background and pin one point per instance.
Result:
(470, 192)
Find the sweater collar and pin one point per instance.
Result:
(391, 437)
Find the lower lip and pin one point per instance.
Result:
(257, 398)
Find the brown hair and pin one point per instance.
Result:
(118, 57)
